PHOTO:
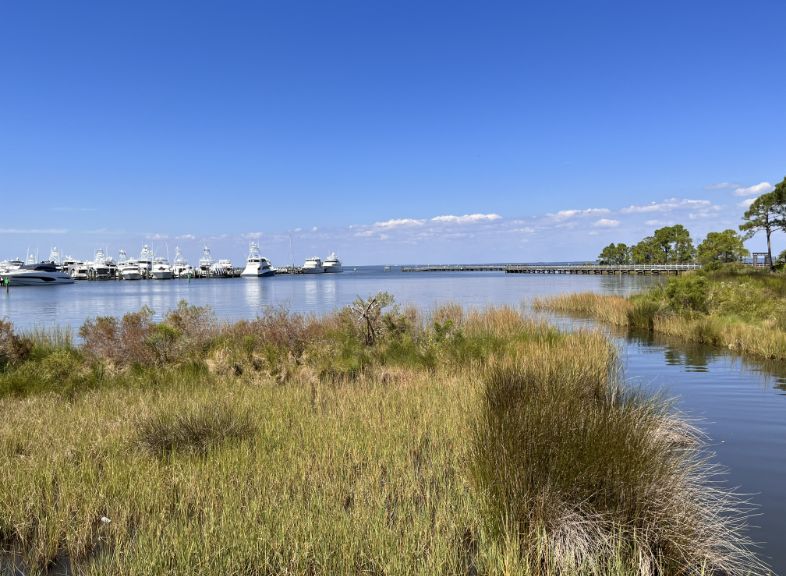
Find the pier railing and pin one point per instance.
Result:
(633, 269)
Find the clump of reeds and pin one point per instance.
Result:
(585, 474)
(612, 309)
(193, 428)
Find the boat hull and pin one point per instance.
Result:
(38, 279)
(162, 275)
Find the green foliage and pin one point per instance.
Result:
(688, 292)
(615, 254)
(721, 248)
(667, 245)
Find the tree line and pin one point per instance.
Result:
(673, 244)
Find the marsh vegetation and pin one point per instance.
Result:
(374, 440)
(736, 307)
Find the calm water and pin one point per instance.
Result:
(740, 404)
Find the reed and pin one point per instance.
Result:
(612, 309)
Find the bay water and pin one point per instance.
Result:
(740, 404)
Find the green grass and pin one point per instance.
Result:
(458, 443)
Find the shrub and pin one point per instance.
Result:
(687, 293)
(13, 348)
(123, 343)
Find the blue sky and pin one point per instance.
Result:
(388, 131)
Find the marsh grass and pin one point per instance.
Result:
(599, 475)
(457, 443)
(737, 309)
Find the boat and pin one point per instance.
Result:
(206, 263)
(128, 269)
(332, 264)
(8, 265)
(54, 257)
(99, 269)
(256, 265)
(313, 266)
(145, 261)
(181, 268)
(41, 274)
(161, 269)
(222, 268)
(79, 271)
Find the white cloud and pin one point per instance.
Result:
(525, 230)
(755, 190)
(399, 223)
(185, 237)
(721, 186)
(746, 203)
(606, 223)
(466, 218)
(566, 214)
(157, 236)
(33, 231)
(666, 206)
(251, 236)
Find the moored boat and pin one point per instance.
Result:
(332, 264)
(181, 268)
(41, 274)
(256, 265)
(161, 269)
(313, 266)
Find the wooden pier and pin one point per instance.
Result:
(625, 269)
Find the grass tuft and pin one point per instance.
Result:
(193, 428)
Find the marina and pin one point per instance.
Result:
(150, 266)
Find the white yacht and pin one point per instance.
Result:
(332, 264)
(145, 261)
(206, 262)
(127, 268)
(54, 257)
(80, 271)
(99, 269)
(256, 265)
(181, 268)
(41, 274)
(8, 265)
(313, 266)
(161, 269)
(222, 268)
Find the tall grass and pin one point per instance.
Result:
(456, 443)
(598, 475)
